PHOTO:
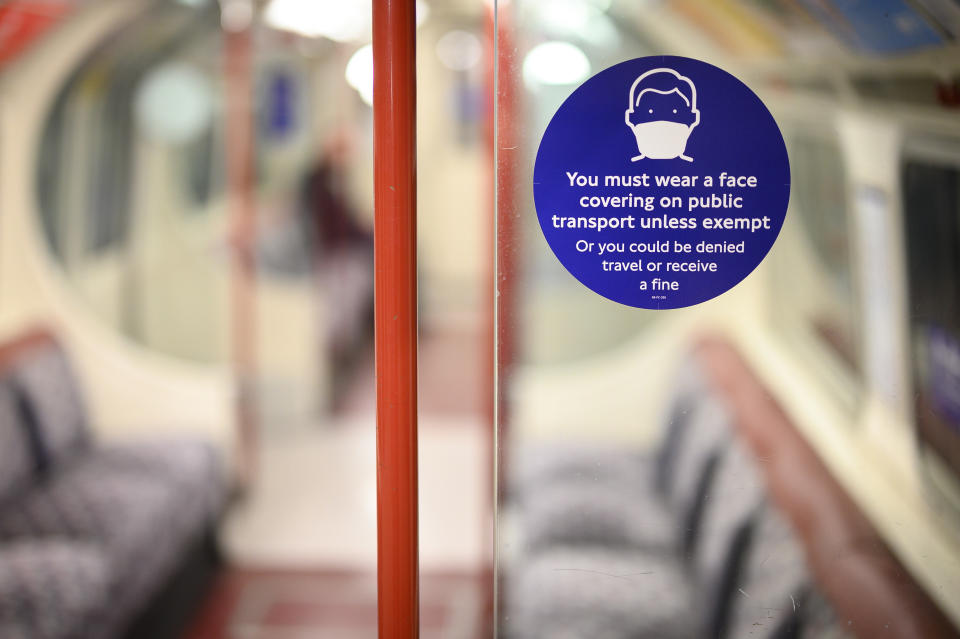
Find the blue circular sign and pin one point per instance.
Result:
(661, 182)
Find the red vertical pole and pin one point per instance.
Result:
(507, 240)
(395, 237)
(238, 58)
(490, 341)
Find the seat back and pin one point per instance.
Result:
(707, 432)
(17, 462)
(730, 504)
(46, 395)
(690, 386)
(856, 572)
(773, 583)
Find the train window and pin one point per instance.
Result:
(143, 102)
(131, 176)
(931, 213)
(813, 281)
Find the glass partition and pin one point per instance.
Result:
(679, 472)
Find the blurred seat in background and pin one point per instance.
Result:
(96, 540)
(756, 527)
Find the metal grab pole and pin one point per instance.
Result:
(395, 204)
(238, 70)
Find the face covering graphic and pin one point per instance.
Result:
(662, 114)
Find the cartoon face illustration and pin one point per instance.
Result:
(662, 113)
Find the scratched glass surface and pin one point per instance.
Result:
(744, 467)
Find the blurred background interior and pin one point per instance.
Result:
(187, 443)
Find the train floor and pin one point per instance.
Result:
(301, 546)
(311, 604)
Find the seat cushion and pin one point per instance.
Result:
(16, 458)
(47, 383)
(141, 523)
(613, 516)
(717, 552)
(578, 593)
(52, 589)
(537, 467)
(193, 465)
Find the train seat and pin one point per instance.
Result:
(50, 588)
(189, 465)
(856, 584)
(714, 559)
(581, 592)
(638, 502)
(773, 582)
(578, 513)
(715, 564)
(694, 577)
(536, 466)
(142, 508)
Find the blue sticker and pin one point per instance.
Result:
(661, 182)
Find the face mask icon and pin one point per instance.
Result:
(662, 113)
